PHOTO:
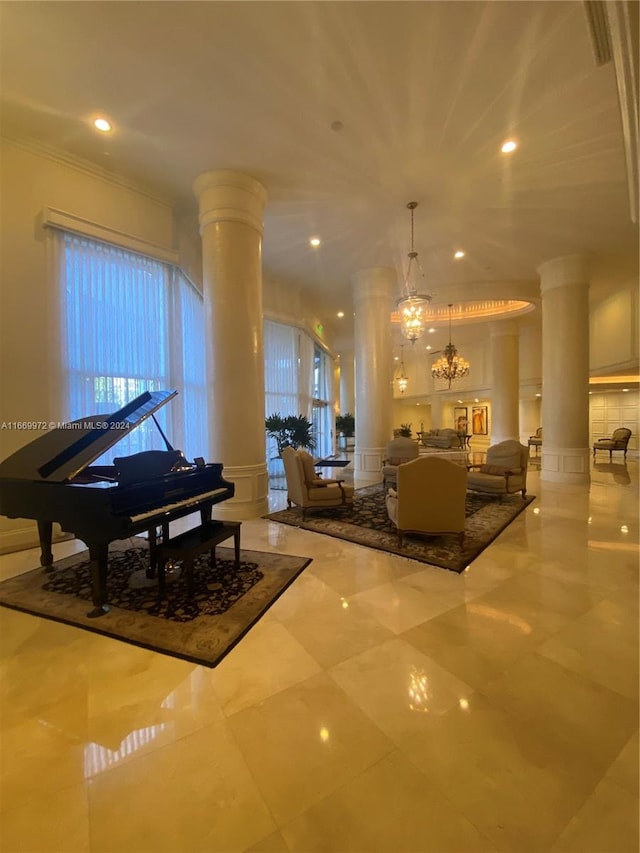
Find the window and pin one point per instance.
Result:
(323, 418)
(131, 323)
(298, 381)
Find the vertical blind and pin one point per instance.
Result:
(131, 324)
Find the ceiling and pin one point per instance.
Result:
(345, 111)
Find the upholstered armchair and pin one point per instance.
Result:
(504, 472)
(399, 450)
(618, 441)
(429, 499)
(536, 440)
(306, 489)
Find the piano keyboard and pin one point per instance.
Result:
(160, 510)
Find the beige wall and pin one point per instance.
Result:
(614, 332)
(611, 409)
(30, 181)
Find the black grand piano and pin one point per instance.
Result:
(52, 480)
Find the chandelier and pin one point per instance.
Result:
(401, 376)
(413, 305)
(450, 365)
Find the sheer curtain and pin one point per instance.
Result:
(307, 367)
(298, 381)
(129, 324)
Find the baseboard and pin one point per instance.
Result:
(26, 537)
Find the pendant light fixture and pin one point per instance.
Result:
(413, 305)
(450, 365)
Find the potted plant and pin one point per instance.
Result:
(345, 426)
(290, 431)
(405, 429)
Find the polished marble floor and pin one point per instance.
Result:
(380, 705)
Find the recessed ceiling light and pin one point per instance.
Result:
(102, 124)
(538, 395)
(431, 331)
(476, 400)
(340, 313)
(509, 146)
(428, 346)
(314, 241)
(396, 358)
(459, 254)
(625, 390)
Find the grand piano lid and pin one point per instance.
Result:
(61, 454)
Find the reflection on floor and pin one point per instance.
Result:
(379, 705)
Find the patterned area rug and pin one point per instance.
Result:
(201, 628)
(368, 524)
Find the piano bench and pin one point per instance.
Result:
(189, 545)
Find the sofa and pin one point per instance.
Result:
(443, 438)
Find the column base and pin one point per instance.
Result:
(251, 499)
(367, 463)
(566, 465)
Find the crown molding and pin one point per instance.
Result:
(86, 167)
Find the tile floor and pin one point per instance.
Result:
(380, 705)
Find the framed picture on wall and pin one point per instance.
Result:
(480, 420)
(460, 419)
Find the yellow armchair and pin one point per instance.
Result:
(306, 489)
(504, 472)
(399, 450)
(430, 498)
(618, 441)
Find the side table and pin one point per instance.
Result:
(189, 545)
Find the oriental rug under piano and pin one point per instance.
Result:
(201, 628)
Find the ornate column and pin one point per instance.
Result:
(505, 382)
(564, 285)
(373, 291)
(231, 208)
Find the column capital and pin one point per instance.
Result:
(229, 196)
(568, 269)
(378, 281)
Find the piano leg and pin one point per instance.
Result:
(99, 555)
(45, 529)
(153, 547)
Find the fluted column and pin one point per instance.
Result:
(347, 382)
(505, 383)
(231, 209)
(564, 285)
(372, 295)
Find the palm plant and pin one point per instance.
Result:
(346, 424)
(290, 431)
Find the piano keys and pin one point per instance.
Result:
(51, 479)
